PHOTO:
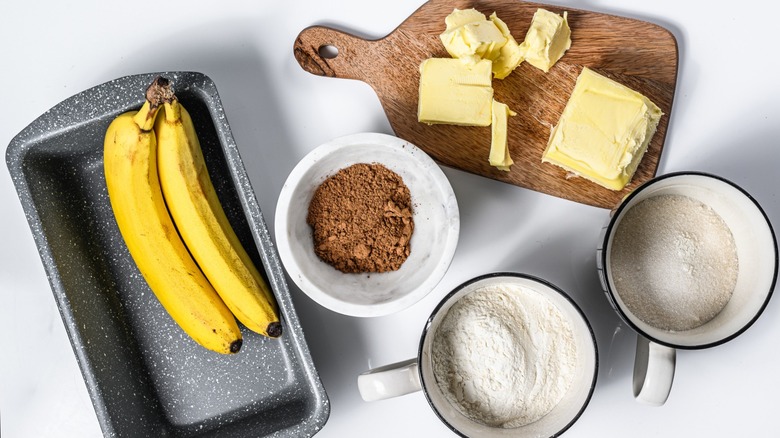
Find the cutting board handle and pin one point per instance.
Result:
(329, 52)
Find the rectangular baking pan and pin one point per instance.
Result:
(144, 375)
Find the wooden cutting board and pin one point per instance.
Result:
(640, 55)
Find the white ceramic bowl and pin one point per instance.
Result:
(435, 235)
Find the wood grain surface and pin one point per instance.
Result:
(638, 54)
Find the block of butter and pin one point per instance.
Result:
(603, 132)
(510, 55)
(454, 92)
(471, 37)
(499, 148)
(548, 38)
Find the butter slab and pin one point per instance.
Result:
(499, 147)
(603, 132)
(455, 93)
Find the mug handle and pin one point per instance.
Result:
(390, 381)
(654, 366)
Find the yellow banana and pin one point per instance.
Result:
(198, 214)
(130, 166)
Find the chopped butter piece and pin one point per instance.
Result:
(548, 38)
(455, 93)
(510, 55)
(499, 148)
(461, 17)
(603, 132)
(471, 37)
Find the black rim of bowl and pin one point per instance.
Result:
(514, 275)
(611, 294)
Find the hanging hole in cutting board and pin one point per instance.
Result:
(328, 51)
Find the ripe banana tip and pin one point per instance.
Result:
(236, 345)
(274, 329)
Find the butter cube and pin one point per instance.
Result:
(603, 132)
(455, 93)
(548, 38)
(462, 17)
(510, 55)
(471, 37)
(499, 148)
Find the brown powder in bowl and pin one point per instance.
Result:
(361, 218)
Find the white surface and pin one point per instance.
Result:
(726, 120)
(435, 237)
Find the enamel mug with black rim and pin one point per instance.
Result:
(757, 257)
(418, 374)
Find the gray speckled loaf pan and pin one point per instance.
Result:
(144, 375)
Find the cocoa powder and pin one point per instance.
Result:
(361, 218)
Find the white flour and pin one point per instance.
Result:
(504, 355)
(674, 262)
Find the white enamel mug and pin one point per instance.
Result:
(757, 255)
(417, 374)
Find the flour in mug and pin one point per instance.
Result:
(504, 355)
(674, 262)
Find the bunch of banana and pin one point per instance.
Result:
(175, 228)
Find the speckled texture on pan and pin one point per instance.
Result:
(144, 375)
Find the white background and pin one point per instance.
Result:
(725, 120)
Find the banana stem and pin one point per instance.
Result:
(159, 92)
(144, 118)
(172, 111)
